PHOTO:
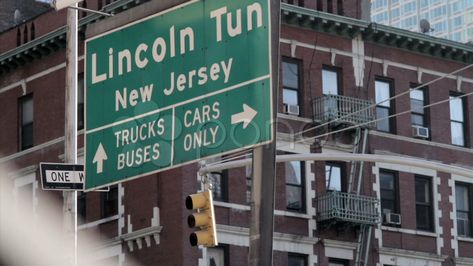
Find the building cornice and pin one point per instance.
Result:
(291, 15)
(55, 40)
(376, 33)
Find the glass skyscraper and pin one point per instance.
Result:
(450, 19)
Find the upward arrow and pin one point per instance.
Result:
(246, 116)
(99, 157)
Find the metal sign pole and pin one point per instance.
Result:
(70, 130)
(264, 168)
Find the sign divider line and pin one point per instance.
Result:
(173, 132)
(236, 86)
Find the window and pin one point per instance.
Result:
(395, 13)
(294, 259)
(330, 82)
(384, 107)
(463, 199)
(457, 120)
(424, 209)
(81, 207)
(249, 181)
(340, 7)
(418, 113)
(26, 122)
(218, 256)
(389, 196)
(291, 89)
(333, 177)
(219, 185)
(337, 262)
(295, 186)
(80, 102)
(110, 202)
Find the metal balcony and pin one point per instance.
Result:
(338, 206)
(343, 110)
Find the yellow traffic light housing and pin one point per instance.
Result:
(204, 219)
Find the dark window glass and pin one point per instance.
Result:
(110, 202)
(340, 7)
(388, 185)
(295, 185)
(333, 177)
(424, 206)
(81, 207)
(337, 262)
(80, 102)
(384, 107)
(26, 122)
(457, 120)
(294, 259)
(464, 209)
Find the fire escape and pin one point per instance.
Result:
(335, 207)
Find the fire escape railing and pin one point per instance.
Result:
(343, 109)
(347, 207)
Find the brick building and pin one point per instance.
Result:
(327, 212)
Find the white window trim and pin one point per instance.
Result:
(24, 177)
(453, 213)
(436, 197)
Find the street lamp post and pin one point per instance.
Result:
(70, 127)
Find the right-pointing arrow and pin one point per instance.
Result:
(99, 157)
(246, 116)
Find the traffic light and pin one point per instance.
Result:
(203, 219)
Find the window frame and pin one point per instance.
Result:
(21, 126)
(392, 104)
(299, 89)
(104, 213)
(342, 176)
(304, 257)
(395, 176)
(80, 101)
(343, 262)
(302, 187)
(431, 226)
(226, 254)
(469, 189)
(223, 186)
(425, 101)
(81, 207)
(464, 123)
(338, 72)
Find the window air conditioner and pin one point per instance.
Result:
(420, 132)
(392, 218)
(291, 109)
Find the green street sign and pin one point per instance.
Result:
(190, 82)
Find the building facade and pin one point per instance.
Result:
(345, 87)
(448, 19)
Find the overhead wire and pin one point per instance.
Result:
(374, 120)
(386, 100)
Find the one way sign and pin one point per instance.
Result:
(56, 176)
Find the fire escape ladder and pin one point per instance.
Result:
(354, 187)
(356, 171)
(363, 248)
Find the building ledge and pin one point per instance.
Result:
(141, 236)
